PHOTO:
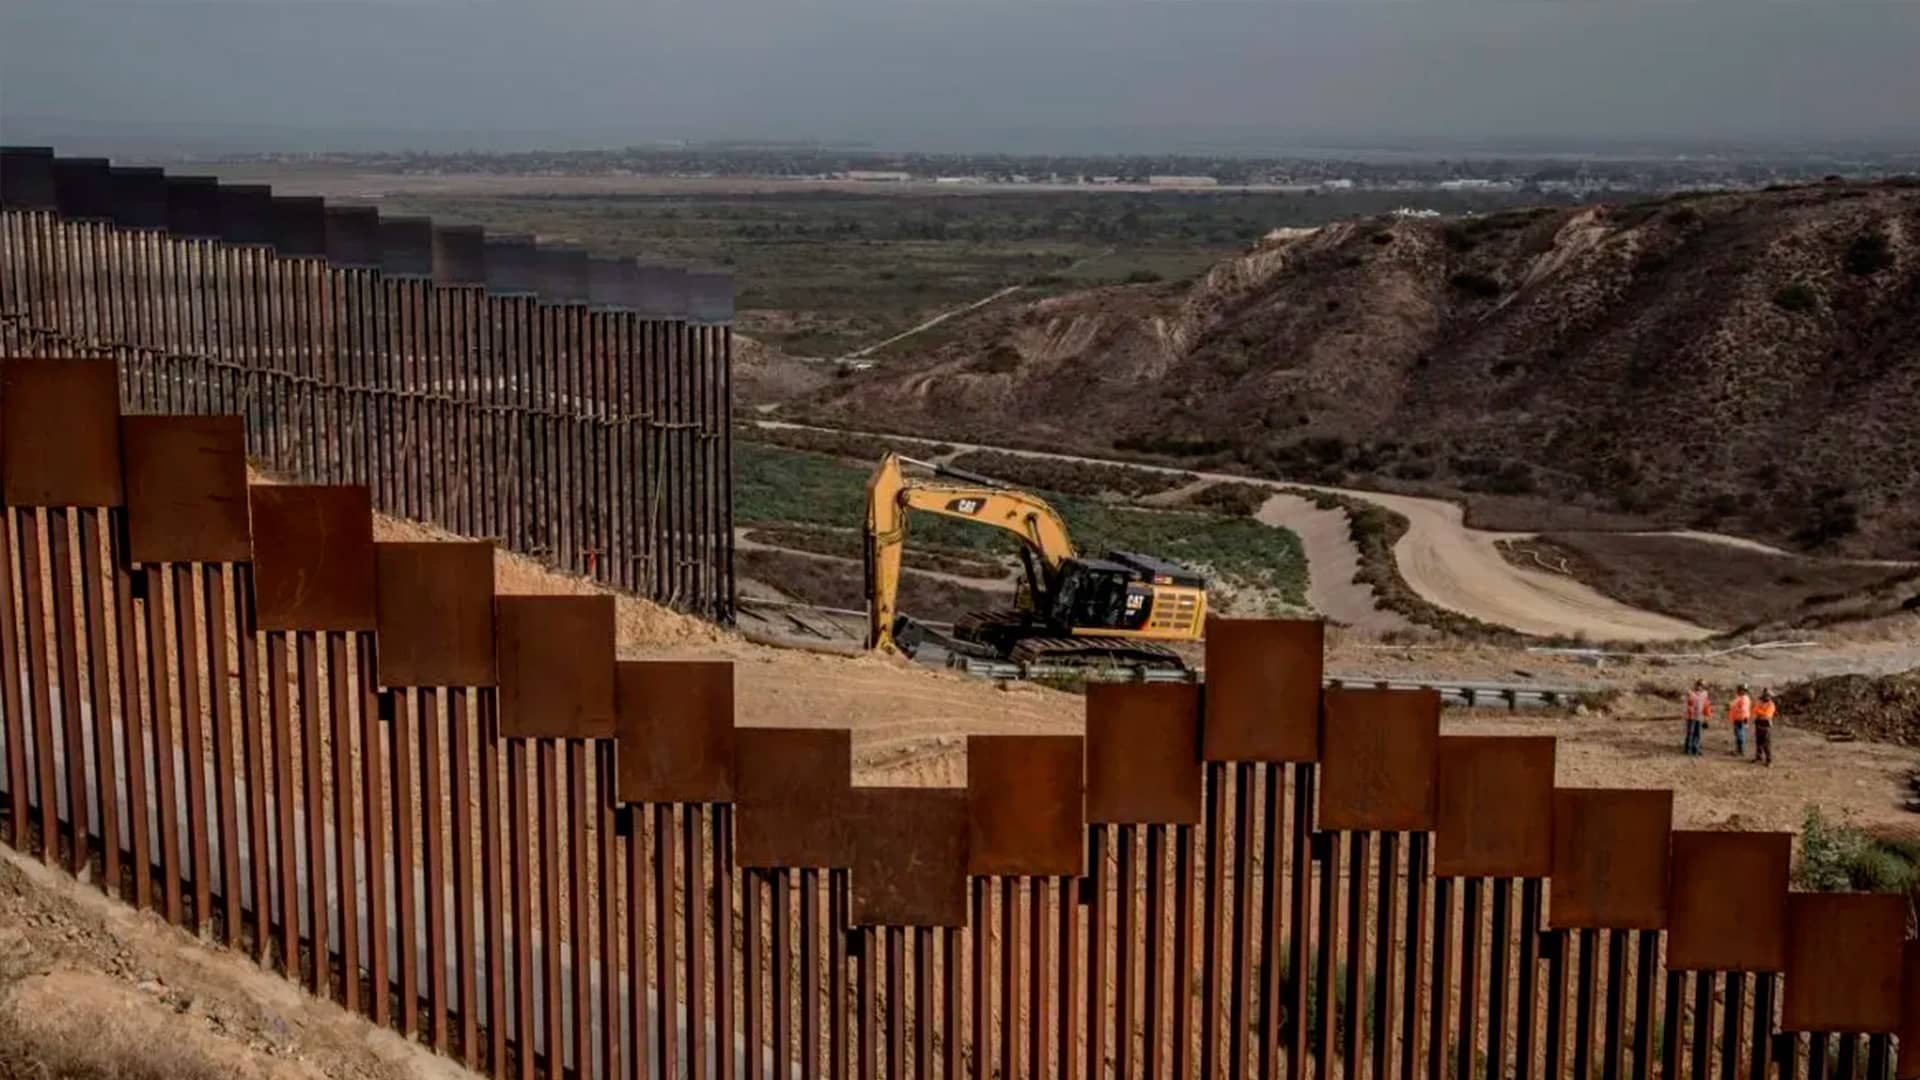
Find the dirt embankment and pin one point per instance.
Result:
(1716, 582)
(1882, 708)
(93, 990)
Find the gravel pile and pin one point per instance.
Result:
(1882, 708)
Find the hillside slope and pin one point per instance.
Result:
(1748, 361)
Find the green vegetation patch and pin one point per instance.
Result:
(1837, 857)
(779, 486)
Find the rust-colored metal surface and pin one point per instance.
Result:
(60, 432)
(1495, 806)
(792, 789)
(909, 857)
(1610, 858)
(1844, 962)
(1727, 907)
(1263, 689)
(675, 731)
(555, 666)
(1143, 754)
(1909, 1030)
(1026, 810)
(186, 488)
(313, 557)
(435, 613)
(220, 697)
(1378, 750)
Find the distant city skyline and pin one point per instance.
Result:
(1019, 76)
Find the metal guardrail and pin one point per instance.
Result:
(1466, 694)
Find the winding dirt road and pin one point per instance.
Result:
(1332, 560)
(1461, 569)
(1441, 558)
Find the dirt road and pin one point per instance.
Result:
(975, 305)
(1447, 563)
(1461, 569)
(1332, 560)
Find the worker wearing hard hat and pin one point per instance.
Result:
(1763, 730)
(1739, 714)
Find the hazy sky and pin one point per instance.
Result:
(964, 74)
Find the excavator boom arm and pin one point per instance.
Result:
(891, 496)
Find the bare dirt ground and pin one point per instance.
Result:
(92, 990)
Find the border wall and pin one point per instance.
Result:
(573, 407)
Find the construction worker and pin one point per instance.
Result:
(1763, 730)
(1698, 707)
(1739, 712)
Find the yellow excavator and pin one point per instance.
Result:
(1068, 611)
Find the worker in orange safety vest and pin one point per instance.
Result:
(1697, 708)
(1739, 714)
(1763, 730)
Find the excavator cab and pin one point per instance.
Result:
(1125, 594)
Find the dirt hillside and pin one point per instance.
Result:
(1744, 360)
(91, 989)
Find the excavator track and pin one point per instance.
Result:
(1094, 652)
(1010, 635)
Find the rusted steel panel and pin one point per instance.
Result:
(139, 197)
(299, 226)
(560, 274)
(83, 188)
(353, 237)
(1727, 906)
(1026, 810)
(675, 730)
(406, 247)
(246, 213)
(909, 857)
(1377, 764)
(313, 557)
(1495, 806)
(459, 255)
(193, 206)
(60, 432)
(1263, 690)
(1610, 858)
(1143, 754)
(186, 488)
(435, 613)
(26, 178)
(709, 297)
(1844, 960)
(791, 791)
(555, 666)
(1909, 1031)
